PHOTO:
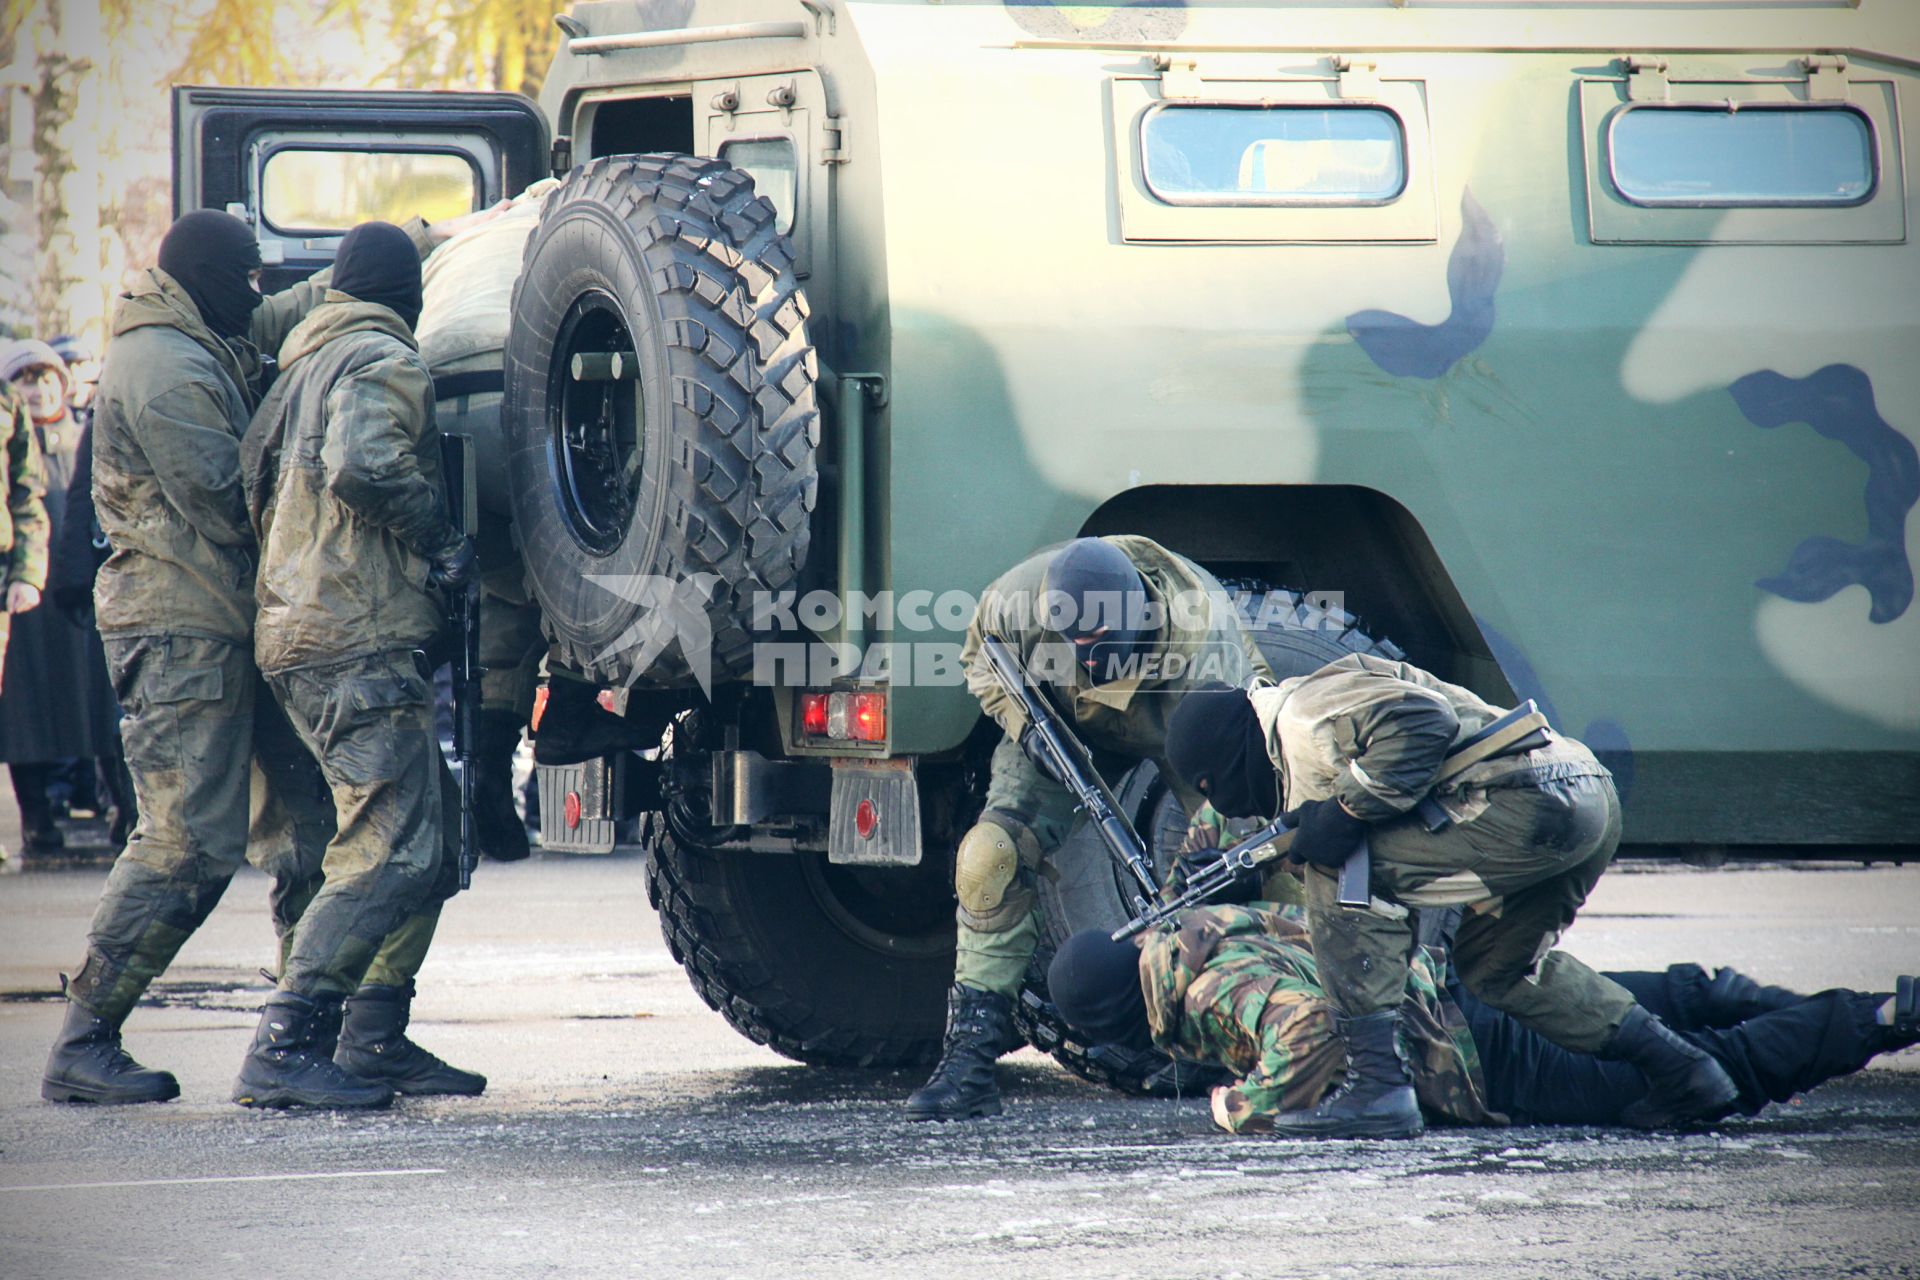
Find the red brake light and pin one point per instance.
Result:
(813, 714)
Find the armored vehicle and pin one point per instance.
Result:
(1570, 344)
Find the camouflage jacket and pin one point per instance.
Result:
(1237, 987)
(24, 528)
(344, 489)
(173, 403)
(1372, 733)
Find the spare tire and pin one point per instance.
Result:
(1084, 889)
(697, 467)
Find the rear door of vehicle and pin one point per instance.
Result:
(303, 166)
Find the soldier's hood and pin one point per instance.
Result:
(156, 299)
(338, 315)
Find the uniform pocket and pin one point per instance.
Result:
(184, 684)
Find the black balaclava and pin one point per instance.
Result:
(378, 263)
(1095, 984)
(1101, 588)
(211, 254)
(1214, 742)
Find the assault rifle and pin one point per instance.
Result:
(463, 607)
(1055, 749)
(1521, 729)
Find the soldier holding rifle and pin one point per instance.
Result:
(1356, 751)
(1116, 630)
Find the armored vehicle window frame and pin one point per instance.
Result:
(271, 151)
(1146, 217)
(1281, 199)
(1615, 218)
(1732, 112)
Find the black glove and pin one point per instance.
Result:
(455, 566)
(1324, 833)
(1030, 743)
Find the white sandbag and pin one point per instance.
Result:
(468, 287)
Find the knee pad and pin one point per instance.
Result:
(993, 874)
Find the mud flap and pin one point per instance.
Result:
(577, 812)
(876, 814)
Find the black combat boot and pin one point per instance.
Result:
(1904, 1030)
(1732, 997)
(575, 727)
(1376, 1100)
(284, 1067)
(979, 1030)
(1683, 1081)
(374, 1046)
(501, 834)
(88, 1065)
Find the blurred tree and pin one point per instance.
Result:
(483, 44)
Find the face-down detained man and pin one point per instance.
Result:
(1236, 986)
(1354, 749)
(219, 774)
(1114, 631)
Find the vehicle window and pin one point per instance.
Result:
(1264, 154)
(1720, 154)
(332, 190)
(771, 162)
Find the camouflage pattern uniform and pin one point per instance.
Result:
(1530, 835)
(219, 775)
(24, 528)
(1121, 722)
(346, 492)
(1238, 987)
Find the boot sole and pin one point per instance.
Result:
(100, 1097)
(978, 1111)
(1706, 1112)
(264, 1100)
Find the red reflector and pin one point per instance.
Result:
(605, 699)
(813, 714)
(866, 819)
(573, 809)
(869, 720)
(539, 708)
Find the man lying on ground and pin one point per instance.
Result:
(1236, 986)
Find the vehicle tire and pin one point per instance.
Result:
(831, 965)
(1296, 638)
(700, 467)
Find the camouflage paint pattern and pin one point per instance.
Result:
(1561, 414)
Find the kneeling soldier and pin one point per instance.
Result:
(1350, 751)
(346, 493)
(1115, 630)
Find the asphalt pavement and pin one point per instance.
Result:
(629, 1131)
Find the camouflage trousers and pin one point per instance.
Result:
(369, 721)
(220, 779)
(1521, 867)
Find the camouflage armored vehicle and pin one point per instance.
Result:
(1572, 343)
